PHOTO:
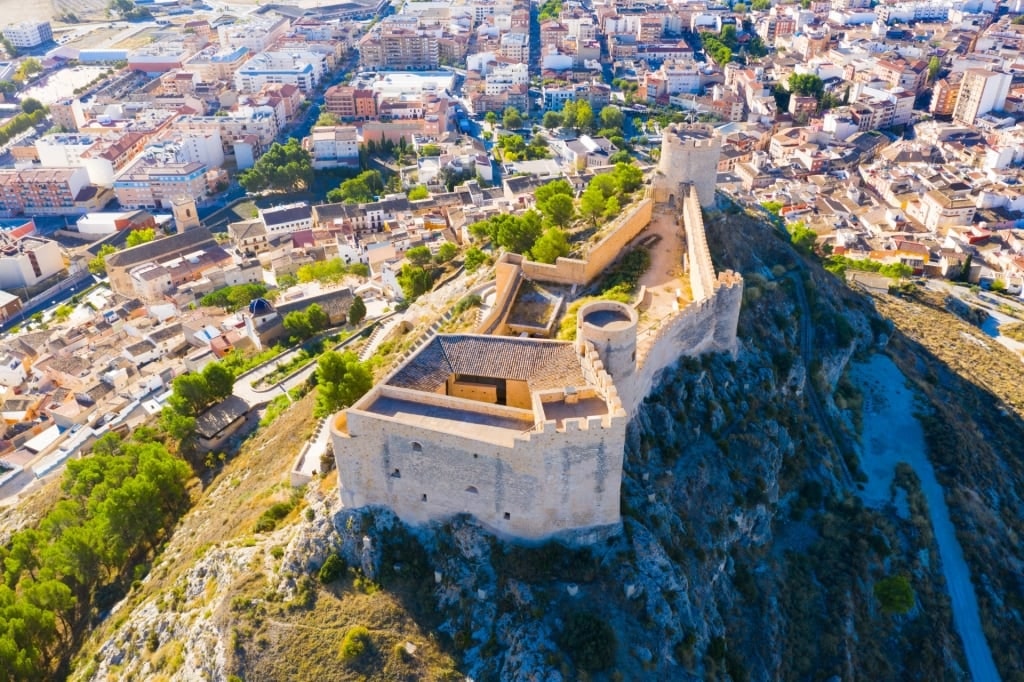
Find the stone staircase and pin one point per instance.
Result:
(377, 337)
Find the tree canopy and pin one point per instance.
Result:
(357, 311)
(550, 246)
(418, 192)
(512, 119)
(137, 237)
(341, 380)
(806, 84)
(117, 506)
(513, 233)
(97, 264)
(285, 167)
(358, 190)
(234, 296)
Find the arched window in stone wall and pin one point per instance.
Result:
(472, 490)
(417, 447)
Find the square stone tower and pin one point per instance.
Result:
(186, 216)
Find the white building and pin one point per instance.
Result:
(333, 147)
(255, 35)
(505, 77)
(29, 33)
(981, 91)
(287, 218)
(301, 68)
(27, 261)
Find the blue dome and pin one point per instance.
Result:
(258, 307)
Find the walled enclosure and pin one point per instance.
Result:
(452, 448)
(553, 468)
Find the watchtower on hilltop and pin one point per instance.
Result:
(689, 154)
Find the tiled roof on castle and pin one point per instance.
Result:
(542, 364)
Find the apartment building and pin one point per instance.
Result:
(515, 46)
(981, 91)
(505, 77)
(258, 124)
(256, 35)
(399, 43)
(944, 95)
(49, 191)
(212, 64)
(301, 68)
(26, 261)
(102, 156)
(29, 33)
(152, 182)
(350, 104)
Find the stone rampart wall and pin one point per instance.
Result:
(569, 271)
(702, 270)
(548, 483)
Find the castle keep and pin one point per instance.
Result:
(526, 434)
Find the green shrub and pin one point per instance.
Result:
(589, 640)
(355, 644)
(269, 519)
(895, 594)
(332, 569)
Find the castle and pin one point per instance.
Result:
(526, 434)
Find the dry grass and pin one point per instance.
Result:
(279, 643)
(29, 509)
(963, 348)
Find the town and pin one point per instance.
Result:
(511, 339)
(187, 185)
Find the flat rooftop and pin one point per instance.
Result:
(608, 319)
(496, 429)
(560, 410)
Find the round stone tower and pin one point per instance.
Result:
(689, 153)
(611, 327)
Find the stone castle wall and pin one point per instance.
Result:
(546, 482)
(569, 271)
(707, 325)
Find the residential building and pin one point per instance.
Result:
(944, 95)
(287, 218)
(29, 33)
(506, 77)
(981, 91)
(399, 43)
(333, 147)
(256, 35)
(515, 46)
(152, 182)
(350, 104)
(27, 261)
(49, 191)
(159, 250)
(301, 68)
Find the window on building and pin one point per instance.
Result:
(417, 447)
(508, 517)
(396, 474)
(424, 498)
(472, 490)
